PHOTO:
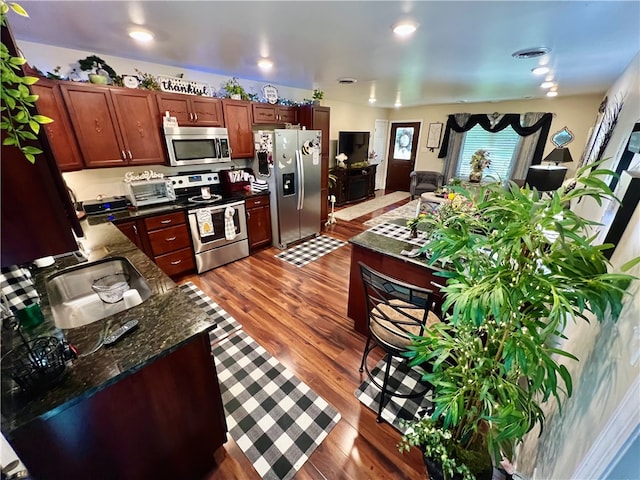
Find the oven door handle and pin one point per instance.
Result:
(217, 148)
(300, 180)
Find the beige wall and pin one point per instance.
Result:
(577, 113)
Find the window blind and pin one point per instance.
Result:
(500, 145)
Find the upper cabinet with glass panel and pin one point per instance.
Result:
(562, 138)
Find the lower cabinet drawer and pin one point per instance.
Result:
(175, 263)
(169, 239)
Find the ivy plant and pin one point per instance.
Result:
(18, 122)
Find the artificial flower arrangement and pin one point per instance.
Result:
(480, 160)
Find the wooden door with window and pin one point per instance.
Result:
(403, 148)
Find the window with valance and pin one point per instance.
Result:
(519, 145)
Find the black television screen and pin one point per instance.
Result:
(545, 179)
(355, 145)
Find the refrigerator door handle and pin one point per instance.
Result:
(300, 179)
(301, 176)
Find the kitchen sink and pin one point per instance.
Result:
(72, 299)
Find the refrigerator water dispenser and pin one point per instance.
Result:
(288, 184)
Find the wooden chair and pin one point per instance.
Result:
(396, 311)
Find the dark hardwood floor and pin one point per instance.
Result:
(300, 316)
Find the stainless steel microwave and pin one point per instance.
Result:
(197, 145)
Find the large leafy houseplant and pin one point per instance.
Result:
(19, 123)
(519, 265)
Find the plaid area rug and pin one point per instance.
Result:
(276, 420)
(403, 379)
(310, 250)
(399, 232)
(225, 323)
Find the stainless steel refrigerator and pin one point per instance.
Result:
(289, 160)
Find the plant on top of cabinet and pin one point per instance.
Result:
(100, 70)
(147, 81)
(17, 101)
(236, 91)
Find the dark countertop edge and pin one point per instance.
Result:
(132, 213)
(94, 390)
(103, 240)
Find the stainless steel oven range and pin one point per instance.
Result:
(218, 225)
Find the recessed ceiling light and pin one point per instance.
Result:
(547, 84)
(397, 105)
(552, 93)
(372, 100)
(265, 64)
(347, 81)
(531, 52)
(404, 29)
(140, 35)
(540, 70)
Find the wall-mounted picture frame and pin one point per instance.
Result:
(434, 135)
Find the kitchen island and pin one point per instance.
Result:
(383, 253)
(147, 407)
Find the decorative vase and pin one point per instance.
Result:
(99, 79)
(475, 176)
(236, 96)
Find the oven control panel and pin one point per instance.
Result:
(201, 179)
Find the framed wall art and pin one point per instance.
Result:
(434, 135)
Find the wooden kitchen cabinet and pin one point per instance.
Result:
(37, 216)
(165, 239)
(191, 110)
(258, 221)
(114, 126)
(130, 229)
(165, 420)
(318, 118)
(264, 113)
(238, 120)
(59, 133)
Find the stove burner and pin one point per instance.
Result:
(199, 199)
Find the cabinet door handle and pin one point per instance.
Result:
(248, 214)
(195, 117)
(130, 156)
(170, 239)
(176, 262)
(124, 156)
(257, 202)
(165, 221)
(135, 229)
(190, 117)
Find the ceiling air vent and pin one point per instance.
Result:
(347, 81)
(531, 52)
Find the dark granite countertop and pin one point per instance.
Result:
(390, 246)
(132, 213)
(167, 320)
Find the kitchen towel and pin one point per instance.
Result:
(205, 223)
(18, 291)
(229, 227)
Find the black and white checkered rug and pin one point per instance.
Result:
(402, 379)
(310, 250)
(399, 232)
(225, 323)
(276, 420)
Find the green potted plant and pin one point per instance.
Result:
(19, 124)
(235, 90)
(100, 71)
(519, 265)
(317, 96)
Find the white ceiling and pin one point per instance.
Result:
(460, 53)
